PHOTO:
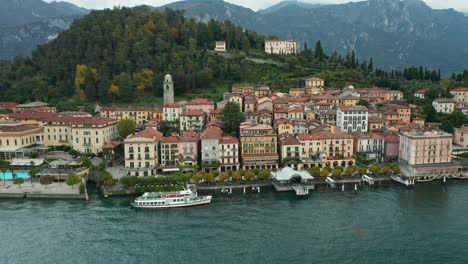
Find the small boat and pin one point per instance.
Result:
(183, 198)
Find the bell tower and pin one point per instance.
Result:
(168, 87)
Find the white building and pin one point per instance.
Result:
(285, 47)
(210, 148)
(192, 120)
(220, 46)
(172, 111)
(229, 153)
(444, 105)
(142, 152)
(352, 118)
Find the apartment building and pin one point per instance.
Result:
(169, 153)
(220, 46)
(188, 149)
(290, 151)
(460, 136)
(172, 112)
(228, 153)
(210, 148)
(140, 115)
(460, 96)
(259, 145)
(444, 105)
(87, 135)
(352, 119)
(371, 146)
(193, 119)
(424, 153)
(142, 152)
(314, 82)
(202, 104)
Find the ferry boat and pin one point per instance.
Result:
(183, 198)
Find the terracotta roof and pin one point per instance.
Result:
(172, 105)
(445, 100)
(216, 111)
(8, 104)
(200, 101)
(353, 108)
(249, 126)
(325, 135)
(150, 133)
(112, 144)
(422, 91)
(174, 138)
(212, 133)
(460, 89)
(228, 140)
(72, 113)
(33, 105)
(290, 140)
(463, 129)
(31, 115)
(131, 108)
(189, 136)
(18, 128)
(193, 112)
(296, 110)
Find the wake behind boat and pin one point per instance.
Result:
(183, 198)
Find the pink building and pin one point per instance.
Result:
(423, 150)
(200, 104)
(188, 149)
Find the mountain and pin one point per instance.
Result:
(25, 24)
(283, 4)
(396, 33)
(21, 40)
(204, 10)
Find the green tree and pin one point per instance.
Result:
(106, 179)
(337, 172)
(396, 168)
(264, 174)
(386, 169)
(325, 172)
(72, 179)
(350, 170)
(375, 169)
(231, 118)
(224, 176)
(363, 103)
(362, 170)
(126, 127)
(46, 181)
(319, 51)
(18, 181)
(315, 171)
(249, 175)
(129, 181)
(430, 113)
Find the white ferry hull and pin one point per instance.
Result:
(188, 204)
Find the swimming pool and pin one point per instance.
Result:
(9, 175)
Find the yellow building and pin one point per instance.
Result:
(297, 92)
(140, 115)
(258, 146)
(314, 82)
(327, 149)
(15, 139)
(291, 150)
(86, 135)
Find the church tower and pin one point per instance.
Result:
(168, 87)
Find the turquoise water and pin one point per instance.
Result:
(9, 175)
(428, 224)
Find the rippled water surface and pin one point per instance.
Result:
(428, 224)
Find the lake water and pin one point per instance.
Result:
(428, 224)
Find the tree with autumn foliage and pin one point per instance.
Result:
(144, 80)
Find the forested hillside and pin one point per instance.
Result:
(121, 56)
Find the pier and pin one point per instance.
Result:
(344, 182)
(373, 180)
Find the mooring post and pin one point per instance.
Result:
(342, 187)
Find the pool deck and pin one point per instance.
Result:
(38, 191)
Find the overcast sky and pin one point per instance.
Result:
(461, 5)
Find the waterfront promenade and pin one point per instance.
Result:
(36, 190)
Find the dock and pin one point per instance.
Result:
(373, 180)
(227, 187)
(404, 181)
(300, 190)
(334, 181)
